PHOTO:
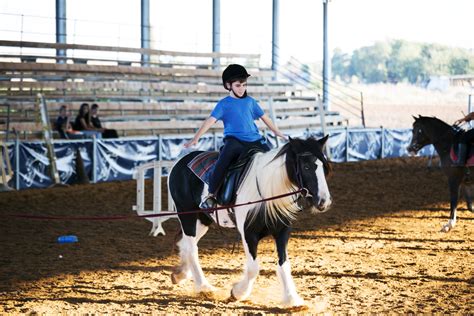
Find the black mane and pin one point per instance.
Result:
(433, 120)
(298, 146)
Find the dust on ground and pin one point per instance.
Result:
(378, 250)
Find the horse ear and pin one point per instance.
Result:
(414, 117)
(323, 141)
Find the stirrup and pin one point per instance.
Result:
(208, 202)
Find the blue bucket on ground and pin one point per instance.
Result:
(67, 239)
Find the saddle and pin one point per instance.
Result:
(203, 165)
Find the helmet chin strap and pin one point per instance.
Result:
(235, 94)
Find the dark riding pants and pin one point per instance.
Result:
(231, 150)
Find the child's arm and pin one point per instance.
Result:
(272, 126)
(206, 125)
(466, 118)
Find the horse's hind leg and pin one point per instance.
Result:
(468, 196)
(190, 267)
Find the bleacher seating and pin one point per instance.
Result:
(160, 97)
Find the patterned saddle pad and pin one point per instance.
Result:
(469, 160)
(203, 164)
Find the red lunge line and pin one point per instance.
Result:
(122, 217)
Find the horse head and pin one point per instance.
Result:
(429, 130)
(307, 168)
(420, 136)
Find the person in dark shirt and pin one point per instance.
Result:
(82, 122)
(63, 125)
(95, 122)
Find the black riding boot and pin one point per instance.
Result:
(462, 153)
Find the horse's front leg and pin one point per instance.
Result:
(454, 193)
(243, 288)
(290, 296)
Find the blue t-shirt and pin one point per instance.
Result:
(238, 116)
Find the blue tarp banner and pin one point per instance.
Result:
(117, 159)
(111, 160)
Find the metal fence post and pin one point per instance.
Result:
(94, 159)
(382, 142)
(160, 151)
(469, 108)
(215, 140)
(273, 117)
(347, 144)
(17, 162)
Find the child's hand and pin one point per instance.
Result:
(192, 142)
(459, 121)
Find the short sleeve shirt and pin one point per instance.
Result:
(238, 116)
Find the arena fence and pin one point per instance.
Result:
(116, 159)
(157, 166)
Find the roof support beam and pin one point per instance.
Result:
(145, 30)
(275, 34)
(325, 57)
(216, 31)
(61, 34)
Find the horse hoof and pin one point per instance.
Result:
(174, 278)
(232, 297)
(206, 295)
(177, 276)
(296, 309)
(445, 229)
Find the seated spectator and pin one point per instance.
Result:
(82, 122)
(64, 127)
(95, 122)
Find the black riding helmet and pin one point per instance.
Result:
(234, 72)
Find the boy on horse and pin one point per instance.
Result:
(464, 141)
(237, 111)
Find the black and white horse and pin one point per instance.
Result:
(299, 164)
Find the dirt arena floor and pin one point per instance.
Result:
(378, 250)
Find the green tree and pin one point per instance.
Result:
(458, 66)
(369, 63)
(340, 63)
(399, 60)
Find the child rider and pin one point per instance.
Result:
(237, 111)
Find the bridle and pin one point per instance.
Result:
(299, 175)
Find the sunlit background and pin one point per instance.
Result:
(185, 25)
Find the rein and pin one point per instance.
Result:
(162, 214)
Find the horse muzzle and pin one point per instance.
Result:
(323, 205)
(413, 149)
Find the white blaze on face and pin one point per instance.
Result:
(323, 190)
